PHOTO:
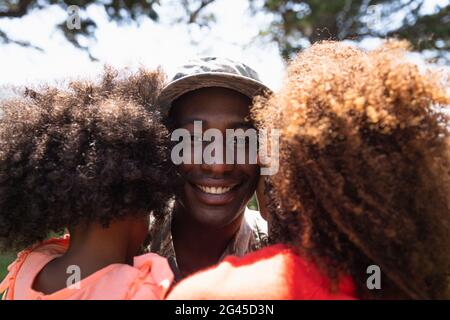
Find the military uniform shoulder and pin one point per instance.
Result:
(255, 220)
(259, 228)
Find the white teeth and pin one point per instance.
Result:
(214, 190)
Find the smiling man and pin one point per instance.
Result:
(210, 218)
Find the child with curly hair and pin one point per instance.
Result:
(364, 181)
(92, 159)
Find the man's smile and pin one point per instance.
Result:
(217, 193)
(215, 189)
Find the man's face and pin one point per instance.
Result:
(215, 194)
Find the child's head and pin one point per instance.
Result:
(364, 175)
(92, 153)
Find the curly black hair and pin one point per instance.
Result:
(92, 152)
(364, 176)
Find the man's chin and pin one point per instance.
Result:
(214, 217)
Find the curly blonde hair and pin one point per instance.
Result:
(364, 175)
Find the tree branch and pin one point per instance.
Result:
(7, 40)
(17, 11)
(194, 14)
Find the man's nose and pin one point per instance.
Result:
(217, 168)
(217, 164)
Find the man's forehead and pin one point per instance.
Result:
(214, 107)
(211, 98)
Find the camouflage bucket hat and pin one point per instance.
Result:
(212, 72)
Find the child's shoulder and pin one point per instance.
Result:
(52, 246)
(275, 272)
(150, 277)
(154, 279)
(47, 248)
(30, 261)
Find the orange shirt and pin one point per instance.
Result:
(272, 273)
(149, 278)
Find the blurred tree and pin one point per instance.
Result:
(119, 11)
(295, 24)
(298, 23)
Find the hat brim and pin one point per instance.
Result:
(177, 88)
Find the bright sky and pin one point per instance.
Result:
(150, 44)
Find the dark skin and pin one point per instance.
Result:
(93, 247)
(204, 223)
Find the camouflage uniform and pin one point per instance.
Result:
(252, 235)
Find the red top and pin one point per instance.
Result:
(272, 273)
